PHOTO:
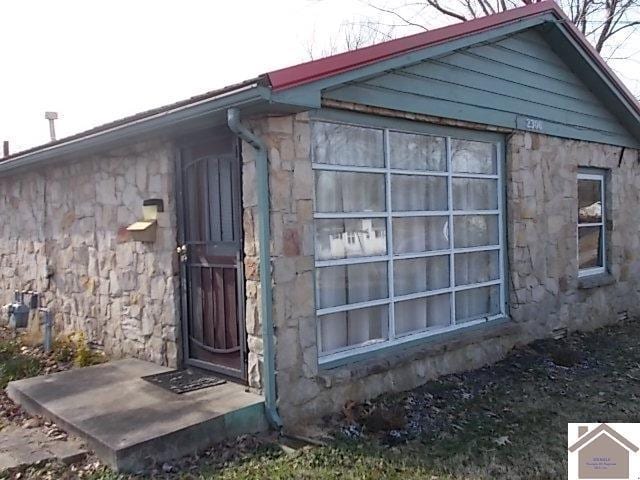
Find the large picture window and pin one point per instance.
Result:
(591, 221)
(408, 235)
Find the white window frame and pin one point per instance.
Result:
(599, 177)
(389, 257)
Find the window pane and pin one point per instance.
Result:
(350, 237)
(349, 192)
(422, 313)
(477, 303)
(474, 230)
(416, 192)
(355, 327)
(420, 274)
(420, 234)
(473, 157)
(475, 194)
(589, 247)
(345, 284)
(589, 201)
(347, 145)
(477, 267)
(410, 151)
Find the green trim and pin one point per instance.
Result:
(504, 84)
(429, 52)
(410, 344)
(457, 93)
(264, 251)
(501, 80)
(168, 122)
(564, 45)
(495, 78)
(308, 96)
(370, 120)
(472, 63)
(505, 225)
(415, 103)
(250, 419)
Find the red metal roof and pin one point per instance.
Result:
(326, 67)
(343, 62)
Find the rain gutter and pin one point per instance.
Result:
(262, 184)
(162, 121)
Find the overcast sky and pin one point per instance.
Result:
(95, 61)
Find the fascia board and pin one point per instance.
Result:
(144, 126)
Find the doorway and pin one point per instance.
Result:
(210, 252)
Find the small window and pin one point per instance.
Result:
(591, 221)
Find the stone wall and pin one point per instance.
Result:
(72, 219)
(544, 293)
(542, 215)
(291, 190)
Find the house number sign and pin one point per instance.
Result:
(528, 123)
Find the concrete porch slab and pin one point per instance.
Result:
(129, 422)
(21, 446)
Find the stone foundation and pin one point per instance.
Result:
(71, 219)
(543, 288)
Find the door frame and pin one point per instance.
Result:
(185, 361)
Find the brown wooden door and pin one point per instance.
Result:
(211, 257)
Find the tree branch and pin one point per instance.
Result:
(450, 13)
(606, 26)
(626, 25)
(400, 17)
(598, 20)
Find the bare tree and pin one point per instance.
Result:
(606, 23)
(350, 36)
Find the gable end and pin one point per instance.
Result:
(516, 81)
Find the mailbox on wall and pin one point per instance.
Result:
(145, 230)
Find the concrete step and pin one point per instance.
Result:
(132, 424)
(26, 446)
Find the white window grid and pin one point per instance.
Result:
(389, 257)
(584, 272)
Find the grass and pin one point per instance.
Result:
(507, 421)
(14, 365)
(504, 421)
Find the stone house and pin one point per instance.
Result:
(350, 226)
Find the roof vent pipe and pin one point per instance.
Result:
(5, 148)
(52, 117)
(262, 185)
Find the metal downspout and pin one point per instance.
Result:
(262, 184)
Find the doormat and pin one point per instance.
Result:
(183, 381)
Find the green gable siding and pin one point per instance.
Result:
(501, 83)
